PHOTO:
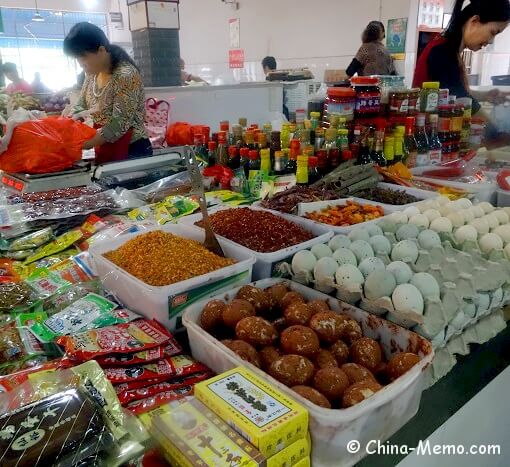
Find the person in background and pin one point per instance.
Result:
(10, 70)
(268, 64)
(38, 87)
(187, 77)
(473, 27)
(113, 94)
(372, 58)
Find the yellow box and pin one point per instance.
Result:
(267, 418)
(306, 462)
(192, 435)
(291, 455)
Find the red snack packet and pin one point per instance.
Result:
(136, 385)
(180, 365)
(126, 397)
(150, 403)
(139, 358)
(136, 336)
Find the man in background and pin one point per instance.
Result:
(38, 87)
(268, 64)
(18, 84)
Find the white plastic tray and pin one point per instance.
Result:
(379, 417)
(167, 303)
(480, 191)
(420, 194)
(267, 263)
(304, 208)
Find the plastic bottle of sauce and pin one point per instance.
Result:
(295, 149)
(265, 161)
(342, 140)
(377, 154)
(368, 96)
(280, 163)
(422, 141)
(434, 142)
(254, 163)
(313, 170)
(245, 160)
(410, 144)
(234, 161)
(302, 170)
(211, 153)
(389, 150)
(222, 149)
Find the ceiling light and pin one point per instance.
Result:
(38, 18)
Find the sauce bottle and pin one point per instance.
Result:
(265, 161)
(234, 161)
(302, 171)
(211, 153)
(254, 163)
(245, 160)
(410, 144)
(280, 163)
(377, 154)
(295, 148)
(313, 170)
(222, 157)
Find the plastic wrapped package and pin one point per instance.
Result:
(168, 210)
(28, 242)
(178, 184)
(70, 294)
(16, 296)
(7, 198)
(64, 418)
(112, 200)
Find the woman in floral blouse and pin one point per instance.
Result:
(112, 93)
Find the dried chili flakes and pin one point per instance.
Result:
(159, 258)
(259, 231)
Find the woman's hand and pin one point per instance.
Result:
(496, 97)
(97, 140)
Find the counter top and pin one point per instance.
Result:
(223, 87)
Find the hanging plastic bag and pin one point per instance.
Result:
(156, 121)
(44, 145)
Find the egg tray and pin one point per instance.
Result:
(465, 298)
(478, 333)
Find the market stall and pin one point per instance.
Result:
(360, 256)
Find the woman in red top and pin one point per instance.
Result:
(473, 27)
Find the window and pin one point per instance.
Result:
(37, 46)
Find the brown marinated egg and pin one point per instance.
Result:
(340, 351)
(327, 326)
(277, 292)
(244, 350)
(350, 330)
(256, 297)
(236, 310)
(256, 331)
(324, 359)
(401, 363)
(298, 313)
(359, 391)
(268, 355)
(312, 395)
(317, 306)
(366, 352)
(211, 316)
(299, 340)
(331, 381)
(291, 297)
(292, 370)
(356, 372)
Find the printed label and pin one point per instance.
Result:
(248, 399)
(435, 156)
(432, 102)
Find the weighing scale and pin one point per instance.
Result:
(131, 173)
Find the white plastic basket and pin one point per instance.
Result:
(267, 263)
(305, 208)
(167, 303)
(379, 417)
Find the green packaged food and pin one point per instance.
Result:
(28, 242)
(18, 255)
(45, 283)
(90, 312)
(56, 246)
(168, 210)
(15, 296)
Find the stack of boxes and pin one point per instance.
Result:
(154, 28)
(237, 419)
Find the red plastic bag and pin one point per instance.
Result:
(43, 146)
(179, 134)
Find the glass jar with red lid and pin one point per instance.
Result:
(340, 102)
(368, 96)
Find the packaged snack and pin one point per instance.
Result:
(8, 272)
(139, 358)
(26, 270)
(190, 434)
(168, 210)
(150, 403)
(180, 365)
(24, 320)
(56, 246)
(45, 283)
(18, 255)
(15, 296)
(89, 312)
(125, 397)
(67, 295)
(59, 430)
(71, 271)
(122, 338)
(110, 232)
(28, 242)
(255, 409)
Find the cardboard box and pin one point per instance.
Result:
(306, 462)
(267, 418)
(291, 455)
(191, 435)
